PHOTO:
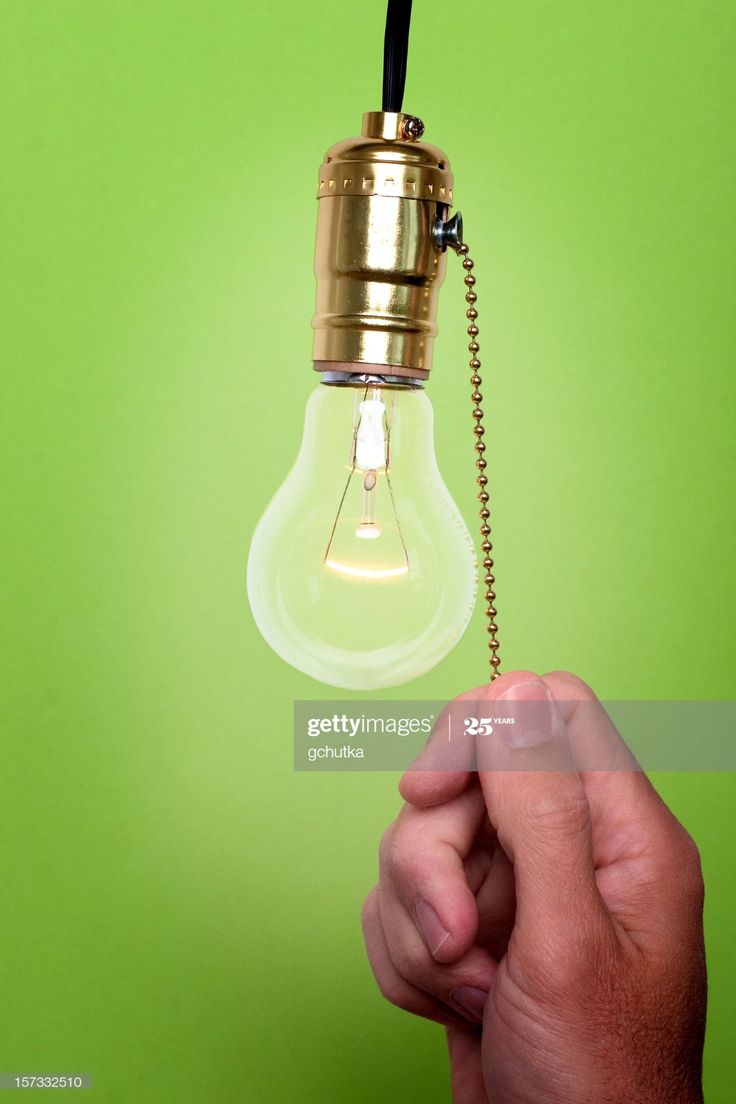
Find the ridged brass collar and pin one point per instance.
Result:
(381, 162)
(377, 263)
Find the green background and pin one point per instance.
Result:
(179, 910)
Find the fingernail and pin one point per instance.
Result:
(431, 926)
(535, 718)
(471, 1000)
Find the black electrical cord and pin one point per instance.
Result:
(395, 50)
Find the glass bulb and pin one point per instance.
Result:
(361, 571)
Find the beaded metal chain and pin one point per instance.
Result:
(485, 530)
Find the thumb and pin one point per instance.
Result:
(537, 803)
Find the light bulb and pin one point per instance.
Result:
(361, 571)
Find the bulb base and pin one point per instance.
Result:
(379, 260)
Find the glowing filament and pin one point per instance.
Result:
(367, 572)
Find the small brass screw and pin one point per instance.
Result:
(412, 129)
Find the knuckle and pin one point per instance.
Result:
(412, 962)
(392, 988)
(368, 910)
(555, 815)
(402, 996)
(396, 855)
(393, 991)
(385, 847)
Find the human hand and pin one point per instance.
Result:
(549, 917)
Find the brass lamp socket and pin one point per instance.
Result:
(380, 259)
